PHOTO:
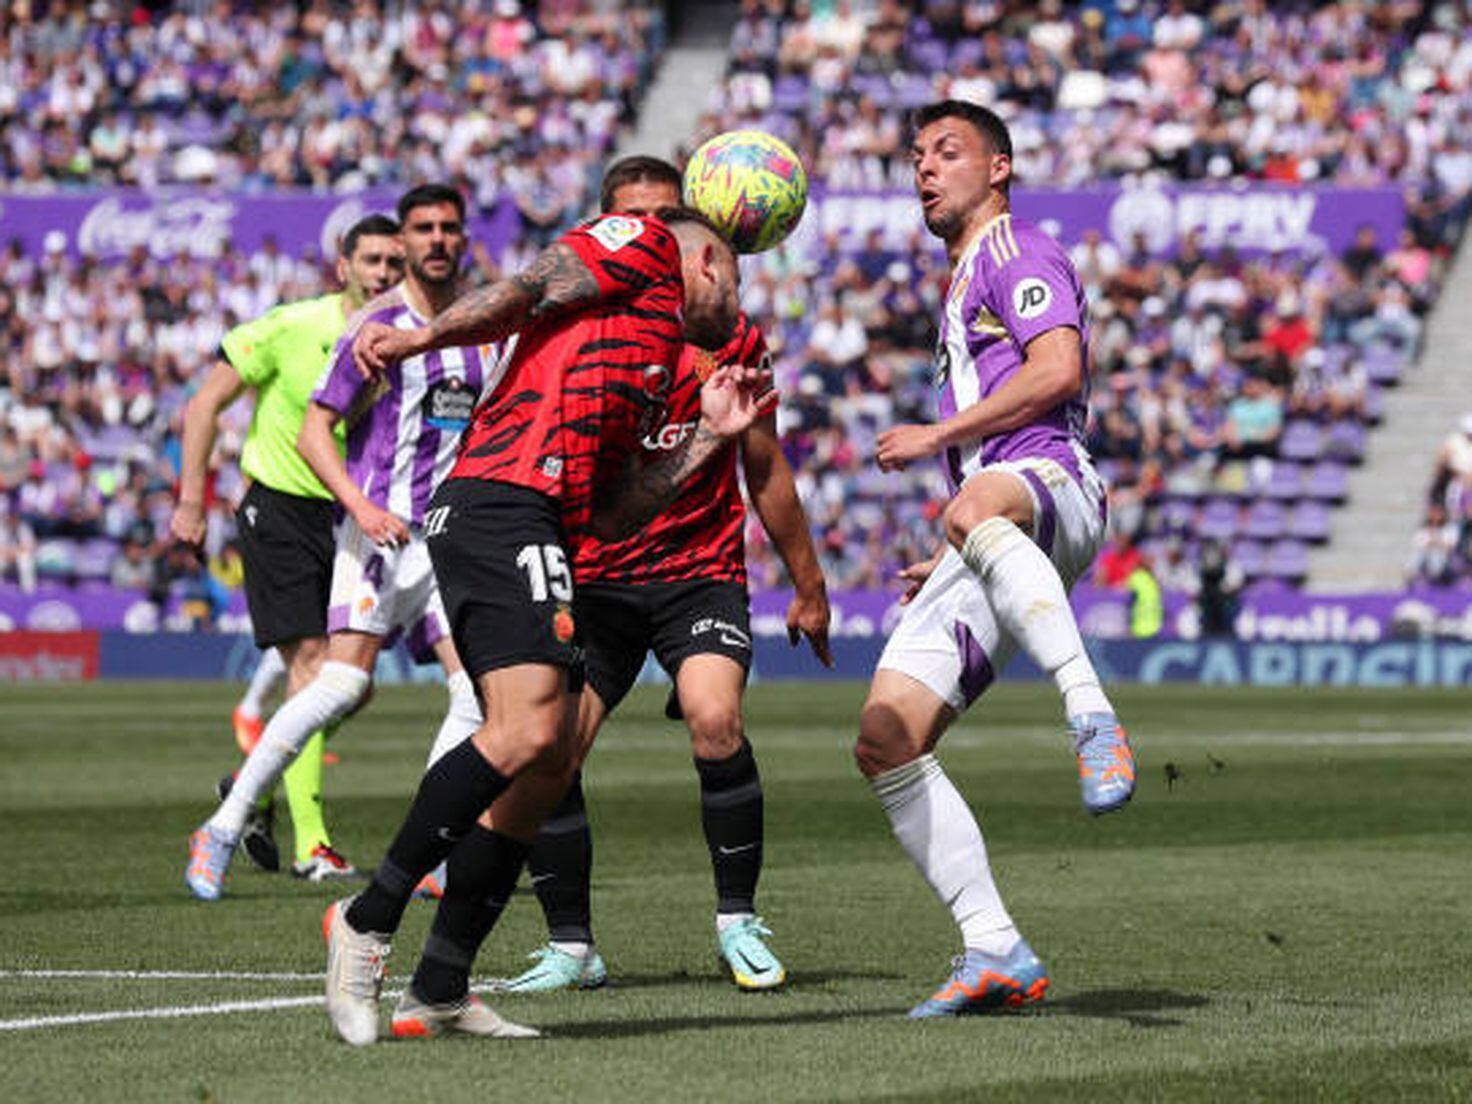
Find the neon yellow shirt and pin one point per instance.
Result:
(281, 356)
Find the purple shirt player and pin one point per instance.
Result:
(1012, 284)
(404, 429)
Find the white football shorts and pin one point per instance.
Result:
(948, 637)
(384, 591)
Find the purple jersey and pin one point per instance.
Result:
(1013, 284)
(404, 429)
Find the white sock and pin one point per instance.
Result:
(268, 675)
(331, 695)
(936, 828)
(1028, 597)
(725, 920)
(461, 719)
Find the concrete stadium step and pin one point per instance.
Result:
(693, 64)
(1371, 537)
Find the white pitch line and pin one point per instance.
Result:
(156, 975)
(222, 1008)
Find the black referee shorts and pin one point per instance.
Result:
(287, 546)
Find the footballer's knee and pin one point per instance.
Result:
(716, 731)
(884, 740)
(347, 686)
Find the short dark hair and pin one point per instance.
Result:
(636, 170)
(986, 121)
(371, 226)
(674, 216)
(429, 195)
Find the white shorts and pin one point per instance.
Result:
(385, 591)
(948, 637)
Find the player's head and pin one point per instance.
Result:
(370, 259)
(432, 224)
(639, 185)
(712, 278)
(962, 156)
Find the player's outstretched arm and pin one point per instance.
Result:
(319, 450)
(774, 496)
(221, 387)
(730, 401)
(555, 282)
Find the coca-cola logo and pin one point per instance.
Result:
(197, 225)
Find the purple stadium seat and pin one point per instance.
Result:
(1374, 405)
(915, 91)
(1249, 557)
(1266, 520)
(1218, 519)
(1287, 559)
(928, 55)
(1177, 515)
(1284, 482)
(1301, 440)
(1327, 482)
(94, 558)
(1346, 441)
(1383, 365)
(790, 94)
(1310, 522)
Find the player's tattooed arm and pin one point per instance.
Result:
(555, 282)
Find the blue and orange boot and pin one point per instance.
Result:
(984, 983)
(1106, 765)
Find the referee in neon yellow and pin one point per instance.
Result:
(285, 519)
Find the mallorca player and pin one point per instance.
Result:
(285, 519)
(1026, 520)
(402, 440)
(549, 458)
(678, 589)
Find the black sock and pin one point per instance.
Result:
(482, 875)
(452, 794)
(731, 811)
(561, 865)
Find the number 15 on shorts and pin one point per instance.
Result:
(547, 574)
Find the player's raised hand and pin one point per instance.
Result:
(808, 615)
(380, 526)
(734, 396)
(904, 444)
(915, 576)
(378, 346)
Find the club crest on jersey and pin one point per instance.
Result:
(563, 625)
(1031, 297)
(616, 231)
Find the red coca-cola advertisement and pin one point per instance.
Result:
(48, 656)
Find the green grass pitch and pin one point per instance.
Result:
(1281, 914)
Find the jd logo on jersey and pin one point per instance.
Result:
(1031, 297)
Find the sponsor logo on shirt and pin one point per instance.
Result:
(1031, 297)
(669, 436)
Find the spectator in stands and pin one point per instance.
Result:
(1436, 559)
(134, 569)
(1363, 256)
(1254, 420)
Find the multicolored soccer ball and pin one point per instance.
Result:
(751, 185)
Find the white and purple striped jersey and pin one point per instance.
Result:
(1013, 284)
(404, 429)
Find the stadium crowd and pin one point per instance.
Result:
(1229, 390)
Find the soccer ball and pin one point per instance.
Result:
(751, 185)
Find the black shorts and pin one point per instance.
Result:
(287, 546)
(505, 578)
(620, 624)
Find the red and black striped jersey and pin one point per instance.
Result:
(580, 391)
(701, 534)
